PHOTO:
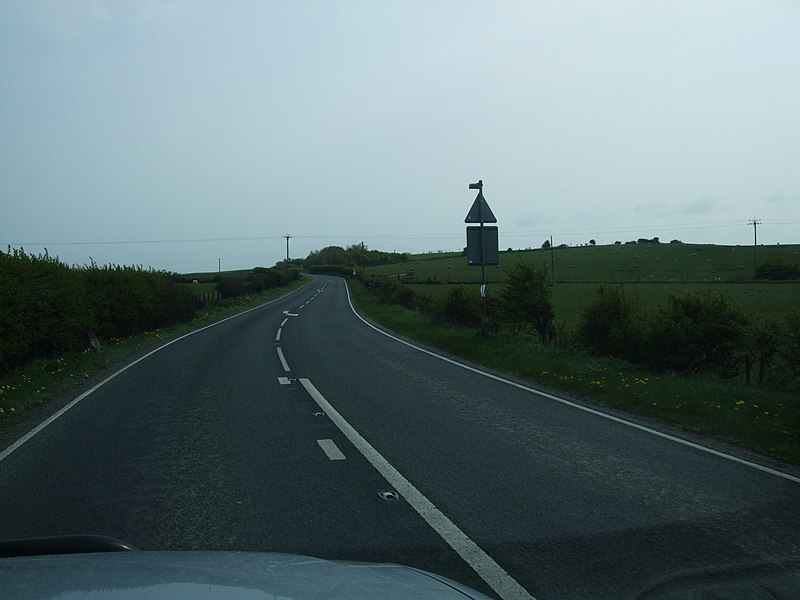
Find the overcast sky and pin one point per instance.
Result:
(163, 133)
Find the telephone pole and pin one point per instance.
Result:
(288, 237)
(755, 223)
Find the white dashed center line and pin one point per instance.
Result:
(283, 360)
(329, 448)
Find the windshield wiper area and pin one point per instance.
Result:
(62, 544)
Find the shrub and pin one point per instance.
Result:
(612, 324)
(777, 269)
(230, 287)
(789, 351)
(698, 332)
(526, 300)
(460, 306)
(46, 306)
(762, 342)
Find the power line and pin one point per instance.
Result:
(411, 236)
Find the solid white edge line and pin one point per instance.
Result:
(331, 450)
(593, 411)
(10, 449)
(284, 364)
(484, 565)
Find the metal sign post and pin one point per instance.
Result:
(481, 250)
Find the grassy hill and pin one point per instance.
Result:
(650, 273)
(614, 263)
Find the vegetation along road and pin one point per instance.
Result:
(282, 429)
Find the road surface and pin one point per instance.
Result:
(297, 427)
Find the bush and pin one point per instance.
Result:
(46, 306)
(526, 300)
(612, 324)
(698, 332)
(776, 269)
(231, 287)
(340, 270)
(789, 350)
(258, 280)
(460, 306)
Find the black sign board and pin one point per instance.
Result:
(490, 252)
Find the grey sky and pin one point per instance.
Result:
(340, 122)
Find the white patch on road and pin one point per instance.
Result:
(284, 364)
(278, 335)
(284, 381)
(329, 448)
(483, 564)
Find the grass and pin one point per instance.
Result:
(41, 382)
(624, 262)
(761, 300)
(762, 420)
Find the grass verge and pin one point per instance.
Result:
(41, 382)
(764, 421)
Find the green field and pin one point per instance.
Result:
(624, 262)
(757, 299)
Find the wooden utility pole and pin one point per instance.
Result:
(755, 223)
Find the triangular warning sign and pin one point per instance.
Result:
(474, 215)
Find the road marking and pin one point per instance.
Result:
(329, 448)
(284, 321)
(288, 314)
(278, 335)
(483, 564)
(284, 381)
(598, 413)
(284, 364)
(25, 438)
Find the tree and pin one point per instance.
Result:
(592, 242)
(527, 301)
(546, 245)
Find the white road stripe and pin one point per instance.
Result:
(278, 335)
(331, 450)
(598, 413)
(283, 360)
(284, 321)
(483, 564)
(284, 381)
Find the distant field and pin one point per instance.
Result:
(757, 299)
(649, 272)
(625, 262)
(210, 275)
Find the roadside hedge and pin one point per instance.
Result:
(46, 306)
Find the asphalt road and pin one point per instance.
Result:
(279, 430)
